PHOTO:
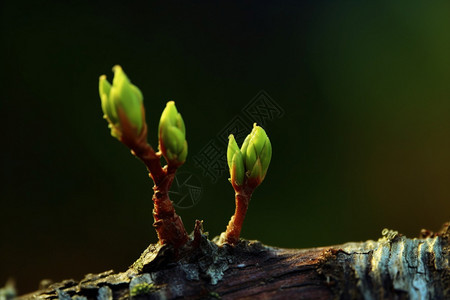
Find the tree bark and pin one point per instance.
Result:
(394, 267)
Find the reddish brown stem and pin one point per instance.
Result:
(234, 227)
(141, 149)
(168, 224)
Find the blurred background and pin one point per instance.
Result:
(363, 143)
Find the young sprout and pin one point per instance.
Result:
(172, 136)
(122, 105)
(248, 167)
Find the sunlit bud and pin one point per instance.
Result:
(257, 152)
(244, 146)
(172, 135)
(122, 105)
(235, 162)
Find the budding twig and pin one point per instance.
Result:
(167, 223)
(123, 108)
(122, 105)
(248, 167)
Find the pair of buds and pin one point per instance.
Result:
(122, 105)
(123, 108)
(248, 167)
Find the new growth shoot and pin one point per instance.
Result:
(248, 167)
(123, 109)
(122, 105)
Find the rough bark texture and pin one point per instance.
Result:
(394, 267)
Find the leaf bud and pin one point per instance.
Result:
(235, 162)
(257, 152)
(122, 105)
(172, 135)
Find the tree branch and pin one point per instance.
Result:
(394, 267)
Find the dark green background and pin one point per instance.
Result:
(364, 143)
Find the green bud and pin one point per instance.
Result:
(257, 152)
(256, 171)
(244, 146)
(122, 105)
(232, 147)
(235, 162)
(172, 135)
(182, 156)
(265, 157)
(104, 87)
